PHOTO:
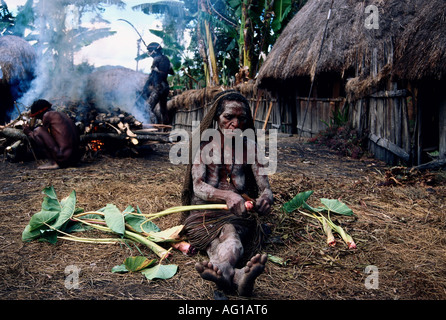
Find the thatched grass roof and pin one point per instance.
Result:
(199, 98)
(193, 99)
(409, 44)
(17, 59)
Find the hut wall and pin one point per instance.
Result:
(384, 116)
(314, 115)
(285, 115)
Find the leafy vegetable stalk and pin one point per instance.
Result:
(329, 205)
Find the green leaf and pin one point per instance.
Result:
(135, 222)
(129, 209)
(119, 269)
(297, 202)
(336, 206)
(51, 204)
(114, 219)
(312, 209)
(48, 235)
(41, 218)
(28, 234)
(50, 192)
(68, 208)
(138, 263)
(160, 271)
(168, 235)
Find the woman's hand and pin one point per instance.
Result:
(263, 205)
(236, 204)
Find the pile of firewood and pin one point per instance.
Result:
(99, 130)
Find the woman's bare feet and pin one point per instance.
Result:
(244, 278)
(211, 272)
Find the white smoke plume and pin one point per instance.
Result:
(57, 79)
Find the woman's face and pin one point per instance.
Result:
(233, 116)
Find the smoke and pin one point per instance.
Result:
(118, 87)
(60, 35)
(56, 76)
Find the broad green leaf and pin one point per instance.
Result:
(68, 207)
(114, 219)
(41, 218)
(78, 210)
(48, 235)
(50, 204)
(129, 209)
(76, 227)
(160, 271)
(50, 192)
(297, 201)
(168, 235)
(92, 216)
(336, 206)
(136, 221)
(119, 269)
(310, 208)
(28, 234)
(137, 263)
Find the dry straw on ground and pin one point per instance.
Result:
(398, 227)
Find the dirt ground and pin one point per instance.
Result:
(398, 225)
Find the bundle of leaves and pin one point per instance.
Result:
(60, 219)
(344, 140)
(322, 214)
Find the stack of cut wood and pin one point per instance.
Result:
(110, 129)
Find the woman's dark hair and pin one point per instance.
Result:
(231, 95)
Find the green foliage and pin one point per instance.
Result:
(329, 205)
(145, 266)
(228, 26)
(160, 271)
(339, 117)
(53, 215)
(114, 219)
(336, 206)
(298, 203)
(138, 263)
(6, 19)
(61, 218)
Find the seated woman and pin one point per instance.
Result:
(228, 236)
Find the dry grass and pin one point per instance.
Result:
(398, 228)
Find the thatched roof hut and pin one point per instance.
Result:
(17, 62)
(408, 44)
(392, 76)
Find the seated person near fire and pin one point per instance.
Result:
(57, 138)
(156, 89)
(231, 238)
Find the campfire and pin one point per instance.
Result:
(100, 131)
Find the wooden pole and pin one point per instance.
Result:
(268, 114)
(257, 104)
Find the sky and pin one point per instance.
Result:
(121, 48)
